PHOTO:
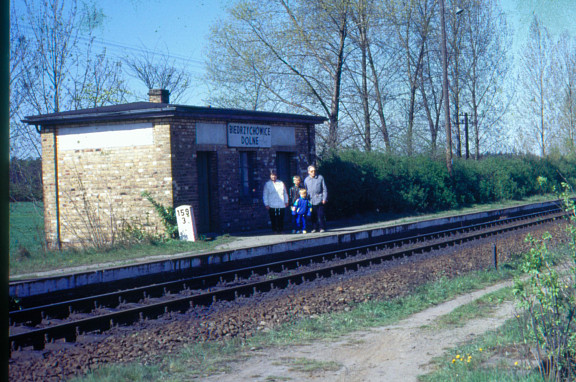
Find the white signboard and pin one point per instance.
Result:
(210, 133)
(244, 135)
(186, 224)
(106, 136)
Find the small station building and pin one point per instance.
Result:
(97, 164)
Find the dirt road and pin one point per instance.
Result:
(394, 353)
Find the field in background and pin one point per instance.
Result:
(26, 229)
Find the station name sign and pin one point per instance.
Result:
(243, 135)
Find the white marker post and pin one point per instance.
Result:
(186, 223)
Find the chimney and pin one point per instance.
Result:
(159, 96)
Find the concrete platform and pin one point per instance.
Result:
(244, 250)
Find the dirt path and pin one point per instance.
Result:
(393, 353)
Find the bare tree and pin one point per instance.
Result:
(358, 73)
(382, 59)
(40, 69)
(158, 71)
(538, 88)
(100, 82)
(566, 66)
(56, 34)
(369, 69)
(243, 87)
(378, 61)
(54, 66)
(432, 96)
(19, 65)
(295, 50)
(412, 23)
(485, 66)
(23, 138)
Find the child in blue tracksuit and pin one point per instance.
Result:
(302, 209)
(293, 195)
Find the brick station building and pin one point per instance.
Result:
(97, 163)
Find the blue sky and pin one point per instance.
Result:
(556, 15)
(174, 27)
(180, 27)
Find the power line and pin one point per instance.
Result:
(145, 50)
(122, 48)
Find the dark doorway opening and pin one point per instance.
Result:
(284, 167)
(207, 211)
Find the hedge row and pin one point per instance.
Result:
(360, 182)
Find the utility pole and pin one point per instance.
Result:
(445, 90)
(466, 135)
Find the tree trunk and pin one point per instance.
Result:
(446, 96)
(335, 102)
(380, 106)
(367, 132)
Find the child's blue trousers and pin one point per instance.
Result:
(301, 222)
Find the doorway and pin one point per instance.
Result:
(284, 167)
(207, 208)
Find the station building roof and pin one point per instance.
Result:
(151, 110)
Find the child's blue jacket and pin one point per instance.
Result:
(303, 207)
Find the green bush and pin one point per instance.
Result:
(548, 296)
(360, 182)
(167, 214)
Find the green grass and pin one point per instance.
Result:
(378, 313)
(202, 359)
(27, 254)
(26, 231)
(478, 308)
(275, 378)
(495, 356)
(504, 354)
(307, 365)
(498, 355)
(50, 260)
(124, 373)
(495, 362)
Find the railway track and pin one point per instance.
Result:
(36, 325)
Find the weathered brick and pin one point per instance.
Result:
(100, 189)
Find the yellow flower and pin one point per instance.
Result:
(480, 349)
(516, 363)
(457, 356)
(453, 360)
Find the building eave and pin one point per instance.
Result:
(140, 111)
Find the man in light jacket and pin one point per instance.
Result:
(318, 195)
(275, 200)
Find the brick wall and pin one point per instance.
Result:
(49, 188)
(237, 213)
(231, 212)
(100, 190)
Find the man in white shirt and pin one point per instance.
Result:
(275, 200)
